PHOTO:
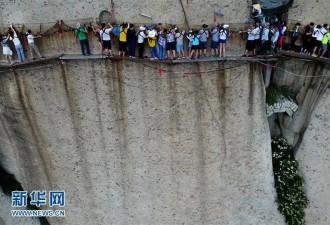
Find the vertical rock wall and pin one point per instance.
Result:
(131, 147)
(314, 156)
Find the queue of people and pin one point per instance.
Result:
(12, 35)
(167, 42)
(269, 38)
(164, 42)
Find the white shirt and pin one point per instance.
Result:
(321, 34)
(106, 34)
(30, 38)
(275, 37)
(250, 36)
(15, 39)
(141, 36)
(265, 34)
(223, 34)
(316, 31)
(256, 31)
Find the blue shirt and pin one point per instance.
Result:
(195, 39)
(204, 34)
(4, 43)
(215, 35)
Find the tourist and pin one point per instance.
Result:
(170, 43)
(317, 38)
(32, 46)
(140, 40)
(325, 42)
(190, 41)
(179, 42)
(204, 34)
(106, 38)
(99, 40)
(265, 39)
(250, 42)
(81, 32)
(162, 43)
(123, 39)
(18, 45)
(152, 44)
(307, 40)
(6, 50)
(274, 39)
(195, 45)
(256, 32)
(131, 38)
(282, 30)
(223, 33)
(215, 41)
(295, 35)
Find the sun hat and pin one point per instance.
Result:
(152, 33)
(225, 26)
(257, 6)
(142, 28)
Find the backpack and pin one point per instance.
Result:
(116, 30)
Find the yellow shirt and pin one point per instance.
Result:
(123, 34)
(152, 41)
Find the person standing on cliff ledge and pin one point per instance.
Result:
(18, 45)
(32, 46)
(123, 39)
(81, 33)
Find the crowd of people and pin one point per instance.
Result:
(270, 37)
(166, 42)
(12, 35)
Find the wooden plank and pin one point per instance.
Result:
(299, 56)
(3, 65)
(229, 58)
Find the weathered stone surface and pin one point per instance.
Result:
(314, 158)
(131, 147)
(308, 80)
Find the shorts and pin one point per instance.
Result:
(179, 47)
(202, 44)
(170, 46)
(107, 44)
(7, 51)
(195, 47)
(190, 44)
(318, 44)
(250, 45)
(256, 42)
(122, 46)
(214, 44)
(324, 47)
(221, 41)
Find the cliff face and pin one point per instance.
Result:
(131, 147)
(308, 80)
(314, 158)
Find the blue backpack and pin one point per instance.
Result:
(116, 30)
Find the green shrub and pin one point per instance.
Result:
(273, 92)
(289, 185)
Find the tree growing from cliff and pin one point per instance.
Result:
(289, 185)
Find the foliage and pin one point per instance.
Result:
(273, 92)
(289, 185)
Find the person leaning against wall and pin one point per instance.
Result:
(18, 46)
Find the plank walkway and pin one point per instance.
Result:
(273, 58)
